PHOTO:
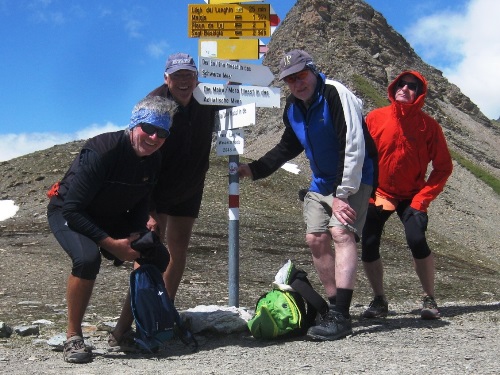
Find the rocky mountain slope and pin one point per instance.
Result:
(352, 43)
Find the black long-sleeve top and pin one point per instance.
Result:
(106, 191)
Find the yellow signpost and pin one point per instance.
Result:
(229, 21)
(231, 49)
(222, 22)
(231, 1)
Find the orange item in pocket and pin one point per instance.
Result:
(388, 204)
(54, 190)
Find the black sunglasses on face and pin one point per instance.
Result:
(411, 85)
(151, 129)
(183, 75)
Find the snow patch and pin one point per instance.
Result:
(7, 209)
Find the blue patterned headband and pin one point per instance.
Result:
(149, 117)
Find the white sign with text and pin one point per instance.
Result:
(235, 71)
(236, 117)
(234, 95)
(230, 142)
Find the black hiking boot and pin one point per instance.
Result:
(332, 326)
(378, 308)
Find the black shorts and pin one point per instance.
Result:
(84, 253)
(189, 207)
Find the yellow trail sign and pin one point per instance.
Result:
(232, 1)
(229, 20)
(230, 49)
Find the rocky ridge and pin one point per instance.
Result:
(352, 43)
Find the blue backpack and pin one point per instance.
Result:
(156, 318)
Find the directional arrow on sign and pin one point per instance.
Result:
(234, 71)
(230, 49)
(235, 117)
(233, 95)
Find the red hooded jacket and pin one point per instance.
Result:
(407, 140)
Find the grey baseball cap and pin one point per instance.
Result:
(293, 62)
(179, 61)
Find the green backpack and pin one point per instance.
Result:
(289, 309)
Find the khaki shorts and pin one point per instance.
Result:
(318, 211)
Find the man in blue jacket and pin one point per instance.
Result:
(324, 119)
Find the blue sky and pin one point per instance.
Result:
(70, 69)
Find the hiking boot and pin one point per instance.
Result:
(378, 308)
(332, 326)
(429, 309)
(125, 344)
(75, 351)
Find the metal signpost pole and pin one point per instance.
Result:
(234, 230)
(232, 22)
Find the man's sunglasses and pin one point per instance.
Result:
(411, 85)
(183, 75)
(151, 129)
(292, 78)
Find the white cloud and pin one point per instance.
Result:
(26, 143)
(41, 11)
(132, 21)
(96, 129)
(157, 49)
(133, 28)
(470, 41)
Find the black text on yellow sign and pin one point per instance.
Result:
(228, 20)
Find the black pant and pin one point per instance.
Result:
(415, 225)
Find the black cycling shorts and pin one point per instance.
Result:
(190, 207)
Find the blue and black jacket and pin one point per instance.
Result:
(333, 135)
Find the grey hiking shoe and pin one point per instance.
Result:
(75, 351)
(125, 344)
(332, 326)
(378, 308)
(429, 309)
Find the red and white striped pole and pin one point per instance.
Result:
(234, 230)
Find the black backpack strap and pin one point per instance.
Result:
(184, 333)
(315, 303)
(183, 330)
(310, 295)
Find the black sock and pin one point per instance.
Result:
(344, 297)
(332, 300)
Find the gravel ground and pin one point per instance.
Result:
(464, 342)
(463, 233)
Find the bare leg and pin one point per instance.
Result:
(337, 272)
(160, 224)
(178, 234)
(323, 257)
(375, 273)
(78, 294)
(346, 258)
(126, 318)
(425, 271)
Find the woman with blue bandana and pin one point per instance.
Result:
(100, 207)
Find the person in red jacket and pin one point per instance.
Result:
(407, 141)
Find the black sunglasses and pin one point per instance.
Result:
(411, 85)
(151, 129)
